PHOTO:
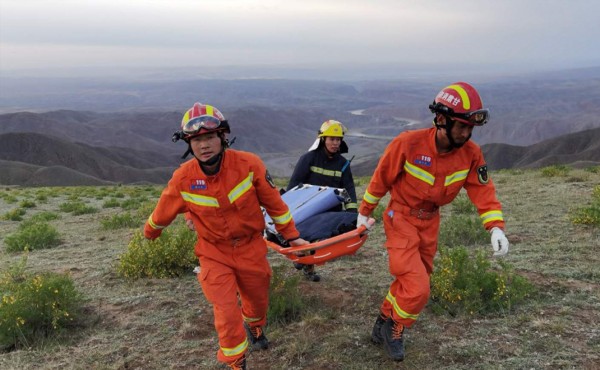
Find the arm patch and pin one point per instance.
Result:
(270, 179)
(482, 174)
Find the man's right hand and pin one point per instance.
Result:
(151, 233)
(297, 242)
(365, 221)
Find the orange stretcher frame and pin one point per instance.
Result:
(324, 250)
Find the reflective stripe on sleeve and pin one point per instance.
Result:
(494, 215)
(153, 225)
(282, 219)
(370, 198)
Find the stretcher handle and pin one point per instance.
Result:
(362, 230)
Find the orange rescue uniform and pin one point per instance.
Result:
(225, 209)
(420, 180)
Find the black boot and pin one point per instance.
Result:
(393, 340)
(376, 333)
(310, 274)
(257, 337)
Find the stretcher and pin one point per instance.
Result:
(305, 201)
(318, 253)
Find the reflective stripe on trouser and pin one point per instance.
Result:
(227, 271)
(411, 244)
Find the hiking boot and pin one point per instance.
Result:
(257, 337)
(298, 266)
(310, 274)
(239, 364)
(393, 341)
(376, 333)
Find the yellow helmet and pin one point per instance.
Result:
(332, 128)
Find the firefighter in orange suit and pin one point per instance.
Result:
(222, 191)
(423, 170)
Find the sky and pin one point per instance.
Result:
(499, 35)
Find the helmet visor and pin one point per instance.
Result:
(475, 118)
(206, 122)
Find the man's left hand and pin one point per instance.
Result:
(499, 242)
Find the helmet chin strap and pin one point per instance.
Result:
(212, 160)
(448, 126)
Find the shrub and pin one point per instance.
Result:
(32, 235)
(77, 208)
(34, 307)
(171, 255)
(586, 215)
(74, 197)
(132, 203)
(285, 301)
(14, 215)
(111, 203)
(27, 204)
(119, 221)
(589, 215)
(462, 230)
(461, 284)
(558, 170)
(596, 194)
(10, 199)
(44, 216)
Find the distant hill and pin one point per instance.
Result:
(526, 109)
(580, 148)
(19, 173)
(55, 161)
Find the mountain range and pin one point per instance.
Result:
(96, 135)
(32, 159)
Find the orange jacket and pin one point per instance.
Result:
(418, 177)
(225, 206)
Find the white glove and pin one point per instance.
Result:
(363, 220)
(499, 242)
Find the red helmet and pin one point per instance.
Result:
(201, 119)
(461, 102)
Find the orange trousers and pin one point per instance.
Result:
(411, 244)
(235, 280)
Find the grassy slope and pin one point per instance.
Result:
(156, 324)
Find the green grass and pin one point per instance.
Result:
(167, 323)
(14, 214)
(35, 307)
(32, 235)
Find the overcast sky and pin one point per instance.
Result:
(500, 34)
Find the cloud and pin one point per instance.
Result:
(38, 33)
